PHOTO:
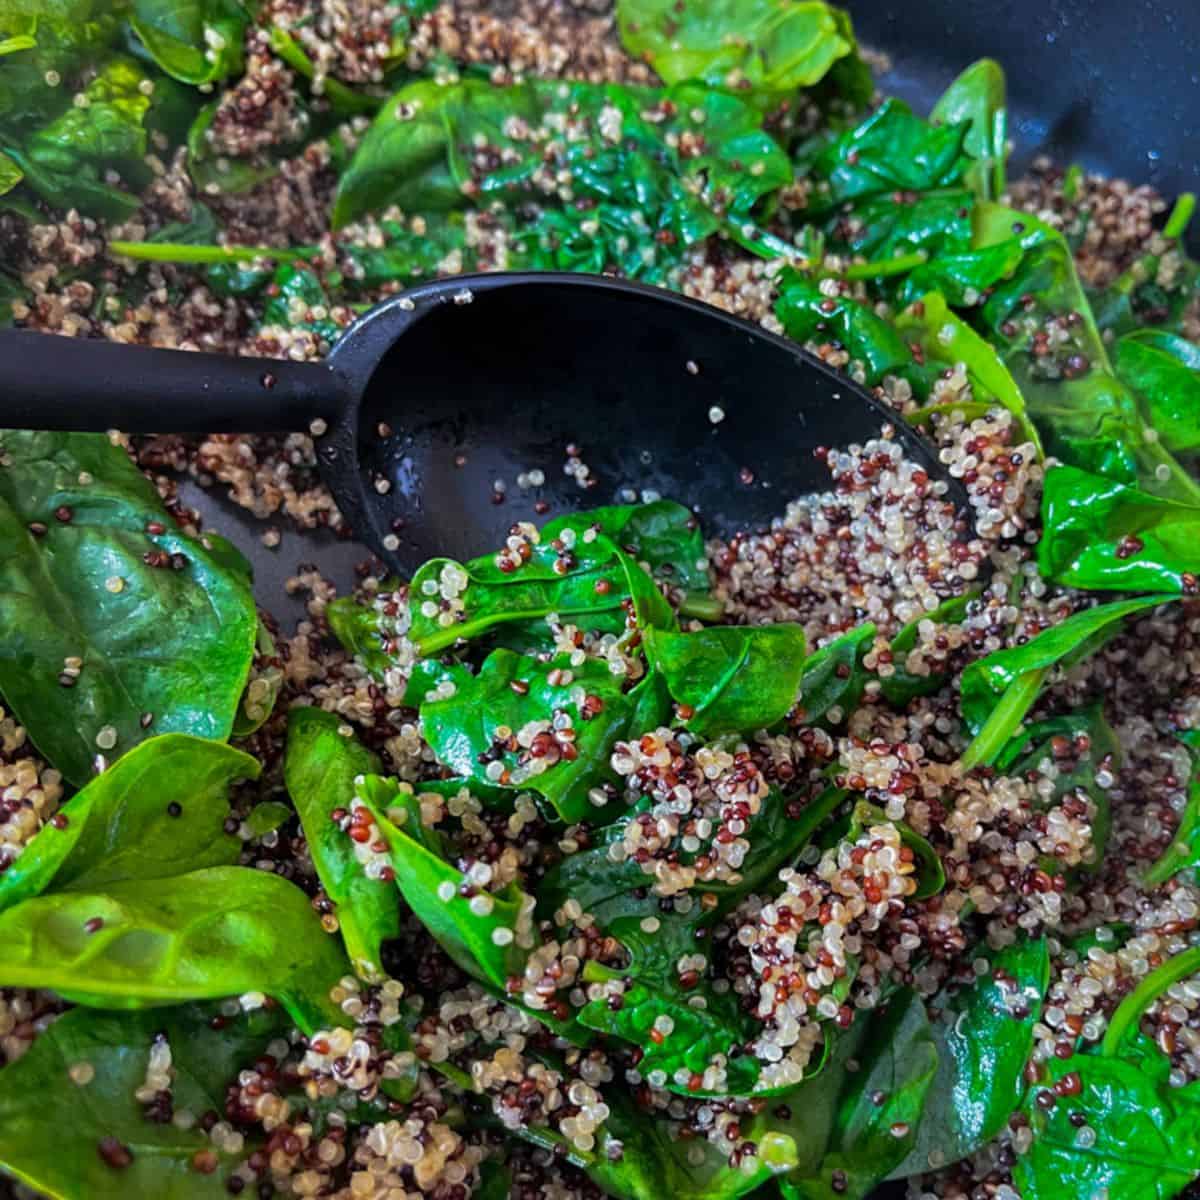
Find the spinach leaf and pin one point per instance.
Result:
(978, 96)
(997, 691)
(640, 197)
(267, 816)
(1093, 744)
(695, 1050)
(886, 227)
(575, 713)
(224, 931)
(984, 1037)
(491, 596)
(903, 685)
(640, 1157)
(963, 277)
(834, 677)
(1041, 326)
(898, 1058)
(1142, 1141)
(945, 340)
(808, 315)
(733, 679)
(196, 41)
(1164, 370)
(262, 692)
(488, 934)
(39, 1100)
(67, 161)
(890, 151)
(1184, 850)
(662, 534)
(321, 766)
(163, 629)
(764, 48)
(160, 811)
(1103, 535)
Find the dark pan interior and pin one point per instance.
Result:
(1112, 84)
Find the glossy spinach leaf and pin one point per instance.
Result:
(898, 1059)
(891, 150)
(573, 569)
(69, 161)
(733, 679)
(1164, 370)
(158, 812)
(978, 96)
(886, 227)
(964, 277)
(39, 1100)
(1145, 1140)
(224, 931)
(88, 571)
(639, 1156)
(1184, 850)
(1041, 325)
(903, 685)
(660, 534)
(1110, 536)
(198, 42)
(764, 48)
(321, 767)
(834, 677)
(808, 315)
(983, 1033)
(489, 945)
(486, 713)
(945, 341)
(1093, 745)
(624, 156)
(997, 691)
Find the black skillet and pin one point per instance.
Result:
(435, 408)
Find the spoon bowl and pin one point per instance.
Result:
(449, 412)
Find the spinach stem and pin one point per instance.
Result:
(702, 607)
(885, 267)
(1006, 716)
(1181, 215)
(1151, 987)
(183, 252)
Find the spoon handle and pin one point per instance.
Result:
(84, 384)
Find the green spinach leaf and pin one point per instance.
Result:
(978, 96)
(1164, 370)
(984, 1037)
(163, 629)
(39, 1099)
(733, 679)
(158, 812)
(321, 767)
(766, 48)
(997, 691)
(224, 931)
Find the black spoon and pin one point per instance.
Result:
(435, 409)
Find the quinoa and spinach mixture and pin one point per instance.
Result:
(615, 861)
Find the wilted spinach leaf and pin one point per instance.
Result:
(223, 931)
(160, 811)
(38, 1100)
(1103, 535)
(997, 691)
(764, 48)
(97, 570)
(320, 768)
(983, 1033)
(978, 96)
(1164, 370)
(834, 676)
(734, 679)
